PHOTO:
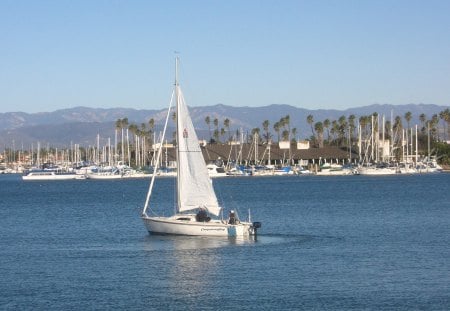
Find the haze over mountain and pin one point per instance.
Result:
(81, 125)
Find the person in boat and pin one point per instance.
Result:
(202, 216)
(232, 218)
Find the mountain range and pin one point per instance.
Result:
(81, 125)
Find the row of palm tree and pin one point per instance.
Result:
(216, 135)
(337, 132)
(134, 150)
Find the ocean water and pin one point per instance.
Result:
(326, 243)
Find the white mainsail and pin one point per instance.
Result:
(195, 189)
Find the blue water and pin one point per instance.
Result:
(350, 242)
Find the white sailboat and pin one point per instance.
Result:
(198, 210)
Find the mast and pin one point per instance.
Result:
(359, 142)
(128, 149)
(109, 151)
(428, 136)
(177, 100)
(391, 142)
(407, 145)
(383, 158)
(97, 158)
(256, 148)
(416, 147)
(372, 141)
(115, 146)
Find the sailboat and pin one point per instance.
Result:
(197, 210)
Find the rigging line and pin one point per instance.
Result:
(150, 188)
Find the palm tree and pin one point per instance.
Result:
(216, 134)
(118, 124)
(133, 128)
(226, 124)
(124, 124)
(310, 120)
(294, 135)
(408, 116)
(397, 129)
(442, 117)
(398, 123)
(342, 128)
(254, 132)
(277, 128)
(265, 126)
(445, 116)
(352, 126)
(326, 124)
(433, 125)
(116, 147)
(222, 132)
(335, 130)
(319, 130)
(287, 121)
(422, 119)
(387, 130)
(151, 124)
(238, 134)
(285, 135)
(143, 127)
(447, 119)
(208, 122)
(363, 122)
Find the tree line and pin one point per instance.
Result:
(331, 132)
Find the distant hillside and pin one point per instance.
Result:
(15, 120)
(81, 124)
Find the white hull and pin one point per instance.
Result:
(117, 176)
(52, 176)
(103, 176)
(214, 175)
(335, 172)
(216, 171)
(183, 224)
(377, 171)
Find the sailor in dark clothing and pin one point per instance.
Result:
(202, 216)
(232, 218)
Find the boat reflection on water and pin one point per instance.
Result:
(192, 265)
(180, 242)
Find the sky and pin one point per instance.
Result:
(323, 54)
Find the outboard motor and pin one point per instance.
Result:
(256, 225)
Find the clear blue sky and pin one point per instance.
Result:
(312, 54)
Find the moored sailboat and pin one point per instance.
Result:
(197, 210)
